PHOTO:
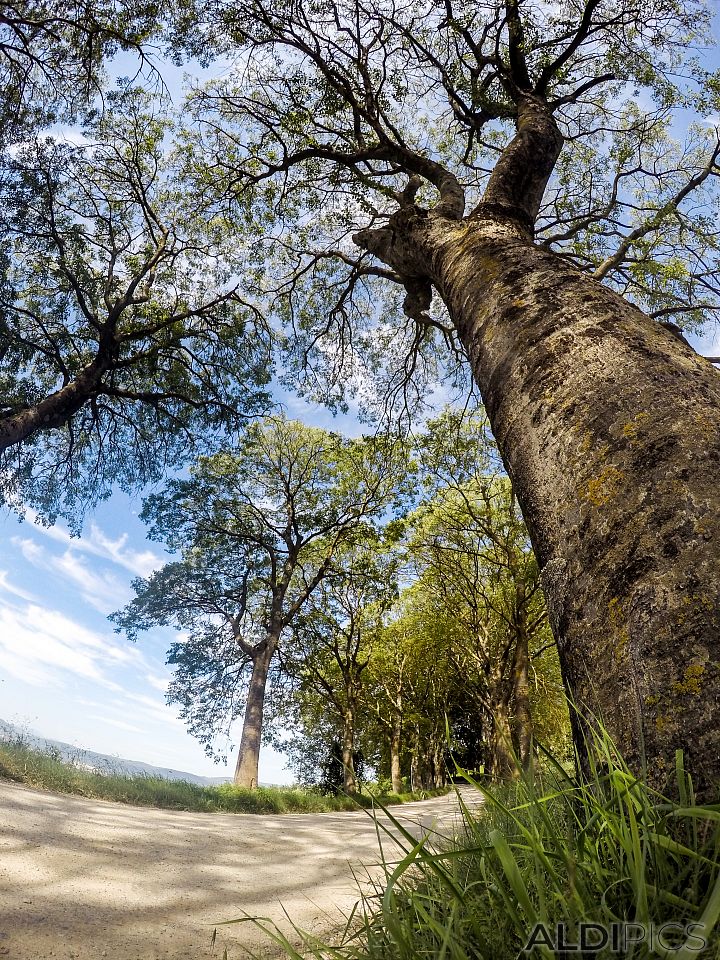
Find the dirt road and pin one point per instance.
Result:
(87, 879)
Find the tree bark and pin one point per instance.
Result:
(439, 772)
(522, 726)
(246, 769)
(55, 410)
(502, 765)
(609, 427)
(414, 771)
(348, 751)
(395, 740)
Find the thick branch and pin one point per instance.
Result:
(518, 182)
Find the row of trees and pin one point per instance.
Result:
(397, 193)
(330, 574)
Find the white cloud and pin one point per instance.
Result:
(140, 563)
(101, 590)
(120, 724)
(159, 683)
(41, 646)
(10, 588)
(153, 709)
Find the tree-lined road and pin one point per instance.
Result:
(84, 879)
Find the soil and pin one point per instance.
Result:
(85, 879)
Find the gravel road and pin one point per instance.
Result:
(86, 879)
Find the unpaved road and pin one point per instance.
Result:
(88, 879)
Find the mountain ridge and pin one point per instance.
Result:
(101, 762)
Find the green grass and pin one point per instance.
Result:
(551, 850)
(49, 771)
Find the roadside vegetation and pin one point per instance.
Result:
(550, 849)
(49, 771)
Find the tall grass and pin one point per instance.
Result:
(48, 770)
(551, 850)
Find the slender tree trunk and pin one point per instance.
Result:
(348, 751)
(609, 427)
(395, 741)
(521, 687)
(415, 768)
(439, 765)
(501, 762)
(246, 769)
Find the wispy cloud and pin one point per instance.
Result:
(153, 709)
(100, 589)
(140, 563)
(41, 647)
(158, 683)
(14, 591)
(120, 724)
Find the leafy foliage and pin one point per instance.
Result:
(124, 342)
(346, 114)
(257, 530)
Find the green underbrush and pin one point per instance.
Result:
(551, 850)
(49, 771)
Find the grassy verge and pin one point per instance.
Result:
(49, 771)
(642, 868)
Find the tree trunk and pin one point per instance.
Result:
(439, 771)
(521, 686)
(55, 410)
(395, 740)
(502, 764)
(246, 769)
(415, 769)
(609, 427)
(348, 751)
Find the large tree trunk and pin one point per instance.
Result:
(609, 427)
(246, 769)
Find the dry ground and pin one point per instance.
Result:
(88, 879)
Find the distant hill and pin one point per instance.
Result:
(100, 762)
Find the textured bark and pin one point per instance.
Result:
(246, 769)
(609, 427)
(414, 771)
(439, 772)
(348, 751)
(522, 727)
(502, 764)
(55, 410)
(395, 741)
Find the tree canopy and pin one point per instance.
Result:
(125, 344)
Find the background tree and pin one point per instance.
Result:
(332, 641)
(515, 158)
(409, 691)
(258, 530)
(123, 340)
(52, 59)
